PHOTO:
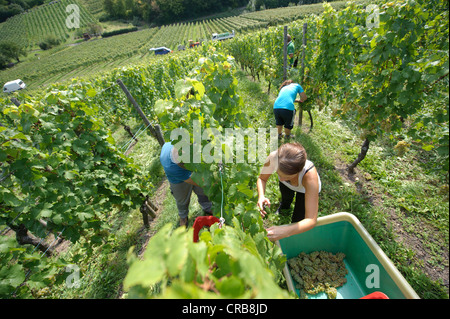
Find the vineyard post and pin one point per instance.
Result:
(156, 132)
(305, 25)
(15, 101)
(300, 109)
(285, 54)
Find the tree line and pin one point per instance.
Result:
(272, 4)
(169, 11)
(9, 8)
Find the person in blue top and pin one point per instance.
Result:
(284, 108)
(181, 183)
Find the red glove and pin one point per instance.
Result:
(375, 295)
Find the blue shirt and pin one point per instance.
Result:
(175, 174)
(287, 96)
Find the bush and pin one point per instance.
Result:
(4, 61)
(49, 43)
(9, 50)
(119, 31)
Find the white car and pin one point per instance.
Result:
(222, 36)
(161, 50)
(12, 86)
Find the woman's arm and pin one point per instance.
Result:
(311, 183)
(261, 187)
(266, 171)
(303, 97)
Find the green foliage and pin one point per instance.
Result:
(49, 43)
(395, 63)
(30, 28)
(92, 57)
(64, 165)
(236, 260)
(60, 165)
(381, 74)
(147, 84)
(225, 263)
(167, 11)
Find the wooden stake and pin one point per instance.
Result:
(153, 131)
(150, 210)
(300, 108)
(305, 26)
(285, 54)
(15, 101)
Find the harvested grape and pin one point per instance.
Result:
(319, 271)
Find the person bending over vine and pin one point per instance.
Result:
(297, 178)
(284, 107)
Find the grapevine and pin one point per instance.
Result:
(236, 260)
(371, 76)
(61, 172)
(61, 166)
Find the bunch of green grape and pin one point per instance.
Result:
(319, 271)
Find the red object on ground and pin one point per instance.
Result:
(376, 295)
(201, 222)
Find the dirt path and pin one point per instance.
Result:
(158, 199)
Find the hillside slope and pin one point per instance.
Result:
(43, 68)
(39, 23)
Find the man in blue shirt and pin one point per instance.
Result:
(181, 184)
(284, 108)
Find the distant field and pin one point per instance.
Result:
(42, 68)
(95, 7)
(288, 14)
(35, 25)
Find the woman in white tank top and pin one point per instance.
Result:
(297, 178)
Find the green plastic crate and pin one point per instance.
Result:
(369, 269)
